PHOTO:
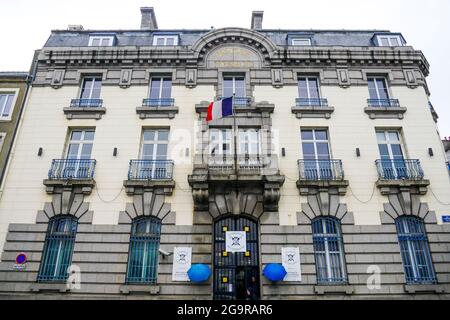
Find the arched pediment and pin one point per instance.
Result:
(233, 56)
(245, 41)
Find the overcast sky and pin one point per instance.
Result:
(26, 24)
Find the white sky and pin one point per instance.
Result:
(25, 25)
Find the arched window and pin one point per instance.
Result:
(58, 249)
(329, 250)
(415, 250)
(144, 247)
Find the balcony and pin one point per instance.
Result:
(312, 108)
(157, 108)
(85, 109)
(150, 170)
(400, 173)
(150, 173)
(384, 109)
(70, 173)
(320, 174)
(250, 164)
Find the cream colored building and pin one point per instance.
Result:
(337, 155)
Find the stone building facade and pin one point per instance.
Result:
(13, 90)
(329, 160)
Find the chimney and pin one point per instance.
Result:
(257, 18)
(148, 19)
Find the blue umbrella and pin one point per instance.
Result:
(199, 272)
(274, 272)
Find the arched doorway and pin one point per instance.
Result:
(236, 274)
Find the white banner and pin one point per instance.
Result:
(290, 257)
(236, 241)
(181, 263)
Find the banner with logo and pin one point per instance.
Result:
(236, 241)
(290, 257)
(181, 263)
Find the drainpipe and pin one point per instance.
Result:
(11, 149)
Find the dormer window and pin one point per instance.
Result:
(301, 41)
(388, 40)
(165, 40)
(101, 41)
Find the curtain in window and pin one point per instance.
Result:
(415, 250)
(328, 250)
(58, 249)
(144, 247)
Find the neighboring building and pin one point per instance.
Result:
(13, 90)
(447, 150)
(115, 165)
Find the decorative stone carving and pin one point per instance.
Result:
(277, 78)
(343, 78)
(159, 112)
(312, 112)
(125, 78)
(66, 201)
(406, 202)
(324, 203)
(385, 112)
(84, 113)
(58, 78)
(191, 78)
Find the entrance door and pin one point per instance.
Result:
(236, 275)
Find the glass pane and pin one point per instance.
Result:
(86, 151)
(373, 93)
(166, 88)
(307, 134)
(72, 152)
(155, 88)
(394, 42)
(321, 135)
(396, 151)
(170, 41)
(7, 105)
(76, 135)
(149, 135)
(313, 88)
(161, 152)
(96, 88)
(240, 87)
(3, 98)
(227, 87)
(163, 135)
(384, 151)
(382, 89)
(160, 41)
(147, 151)
(384, 41)
(308, 150)
(322, 150)
(96, 42)
(393, 136)
(86, 89)
(302, 88)
(105, 42)
(89, 135)
(381, 136)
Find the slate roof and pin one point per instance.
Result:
(355, 38)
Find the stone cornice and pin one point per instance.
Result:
(182, 55)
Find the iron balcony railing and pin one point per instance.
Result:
(305, 102)
(399, 169)
(374, 103)
(320, 170)
(150, 170)
(76, 169)
(86, 103)
(244, 162)
(166, 102)
(240, 101)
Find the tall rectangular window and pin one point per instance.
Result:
(6, 105)
(249, 142)
(58, 249)
(144, 247)
(220, 144)
(378, 89)
(234, 85)
(415, 250)
(153, 162)
(308, 88)
(160, 88)
(80, 144)
(316, 154)
(390, 146)
(91, 87)
(329, 250)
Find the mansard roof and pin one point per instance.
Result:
(189, 37)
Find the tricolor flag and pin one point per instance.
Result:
(220, 109)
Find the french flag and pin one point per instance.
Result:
(220, 109)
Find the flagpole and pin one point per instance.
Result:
(235, 147)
